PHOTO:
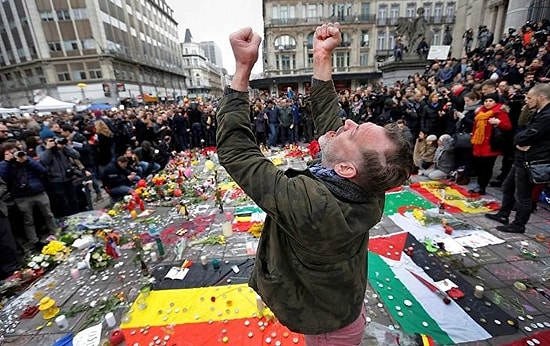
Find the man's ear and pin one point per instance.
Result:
(345, 169)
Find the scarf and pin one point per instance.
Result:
(340, 187)
(480, 123)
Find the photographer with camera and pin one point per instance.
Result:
(57, 156)
(24, 177)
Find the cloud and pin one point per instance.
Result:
(215, 20)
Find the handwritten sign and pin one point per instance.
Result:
(88, 337)
(438, 52)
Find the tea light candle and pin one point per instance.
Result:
(61, 322)
(478, 292)
(204, 260)
(110, 319)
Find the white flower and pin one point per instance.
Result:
(44, 264)
(37, 258)
(33, 265)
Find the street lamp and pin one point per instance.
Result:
(82, 86)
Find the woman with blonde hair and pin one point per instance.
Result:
(105, 144)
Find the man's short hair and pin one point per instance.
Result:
(381, 172)
(122, 159)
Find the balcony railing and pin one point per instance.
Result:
(362, 18)
(384, 52)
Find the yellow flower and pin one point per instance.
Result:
(53, 247)
(112, 212)
(256, 229)
(419, 216)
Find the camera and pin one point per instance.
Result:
(20, 154)
(61, 141)
(73, 172)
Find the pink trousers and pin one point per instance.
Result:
(350, 335)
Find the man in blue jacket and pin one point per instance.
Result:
(24, 177)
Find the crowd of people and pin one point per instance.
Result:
(459, 116)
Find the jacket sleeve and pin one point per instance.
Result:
(45, 156)
(505, 123)
(71, 152)
(284, 198)
(537, 130)
(325, 107)
(36, 166)
(4, 170)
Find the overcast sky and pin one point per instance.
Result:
(214, 20)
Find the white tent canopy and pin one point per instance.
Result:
(49, 104)
(9, 110)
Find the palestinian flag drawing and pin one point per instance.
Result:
(416, 308)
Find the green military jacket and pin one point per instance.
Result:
(311, 263)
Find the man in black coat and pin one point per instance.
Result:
(532, 144)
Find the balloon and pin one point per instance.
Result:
(188, 172)
(209, 165)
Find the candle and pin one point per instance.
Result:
(154, 256)
(75, 273)
(204, 260)
(61, 322)
(478, 293)
(110, 319)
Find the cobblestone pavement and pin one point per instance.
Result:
(500, 266)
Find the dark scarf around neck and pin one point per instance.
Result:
(340, 187)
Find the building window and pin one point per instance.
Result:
(381, 40)
(55, 47)
(346, 40)
(63, 15)
(88, 44)
(438, 12)
(364, 38)
(382, 14)
(79, 75)
(411, 10)
(285, 42)
(391, 42)
(95, 74)
(364, 59)
(80, 13)
(394, 14)
(63, 76)
(365, 8)
(342, 59)
(46, 16)
(450, 12)
(340, 11)
(70, 45)
(285, 62)
(427, 9)
(311, 11)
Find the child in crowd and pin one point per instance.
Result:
(424, 151)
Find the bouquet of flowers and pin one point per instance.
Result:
(210, 240)
(57, 250)
(97, 258)
(40, 262)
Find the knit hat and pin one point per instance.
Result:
(46, 133)
(494, 97)
(431, 138)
